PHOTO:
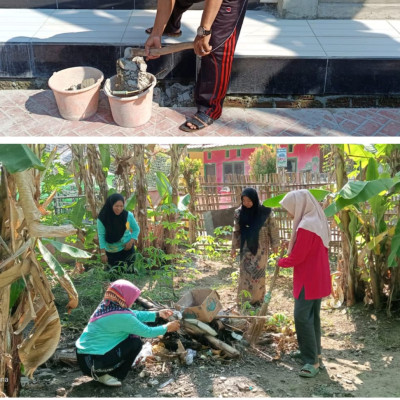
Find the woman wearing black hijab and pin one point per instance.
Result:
(117, 230)
(254, 233)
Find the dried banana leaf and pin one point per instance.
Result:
(42, 342)
(14, 273)
(61, 276)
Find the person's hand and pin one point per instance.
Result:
(173, 326)
(153, 42)
(129, 245)
(165, 314)
(233, 253)
(202, 46)
(104, 258)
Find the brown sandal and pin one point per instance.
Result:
(169, 34)
(200, 120)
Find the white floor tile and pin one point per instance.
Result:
(262, 34)
(351, 28)
(395, 24)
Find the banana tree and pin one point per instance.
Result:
(367, 233)
(368, 203)
(25, 292)
(140, 205)
(160, 214)
(176, 151)
(190, 170)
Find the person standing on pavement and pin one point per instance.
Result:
(117, 230)
(215, 43)
(255, 234)
(111, 340)
(308, 255)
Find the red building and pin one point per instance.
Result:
(220, 160)
(303, 157)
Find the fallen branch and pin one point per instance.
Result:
(243, 316)
(272, 358)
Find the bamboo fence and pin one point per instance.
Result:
(216, 195)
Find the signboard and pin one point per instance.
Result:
(281, 157)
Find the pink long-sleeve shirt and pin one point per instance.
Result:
(310, 260)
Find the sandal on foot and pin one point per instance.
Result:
(321, 364)
(169, 34)
(200, 120)
(308, 371)
(108, 380)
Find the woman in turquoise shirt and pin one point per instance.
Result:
(111, 340)
(117, 230)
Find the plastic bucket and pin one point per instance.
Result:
(133, 111)
(76, 104)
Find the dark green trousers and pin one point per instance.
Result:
(308, 327)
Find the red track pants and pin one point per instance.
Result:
(215, 70)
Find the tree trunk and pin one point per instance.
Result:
(124, 162)
(141, 192)
(375, 279)
(96, 169)
(191, 178)
(349, 249)
(82, 170)
(5, 356)
(176, 151)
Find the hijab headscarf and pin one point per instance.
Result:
(307, 214)
(119, 296)
(115, 225)
(251, 220)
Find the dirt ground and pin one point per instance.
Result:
(361, 351)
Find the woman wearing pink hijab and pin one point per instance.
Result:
(308, 254)
(111, 340)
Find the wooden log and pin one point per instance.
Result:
(66, 357)
(192, 329)
(219, 344)
(201, 325)
(146, 303)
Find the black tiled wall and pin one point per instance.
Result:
(96, 4)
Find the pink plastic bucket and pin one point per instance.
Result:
(133, 111)
(76, 104)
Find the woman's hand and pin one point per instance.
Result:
(173, 326)
(104, 258)
(233, 253)
(129, 245)
(165, 314)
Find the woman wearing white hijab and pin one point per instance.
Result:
(308, 254)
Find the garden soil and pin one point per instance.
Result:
(361, 351)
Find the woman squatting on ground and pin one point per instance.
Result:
(117, 230)
(111, 340)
